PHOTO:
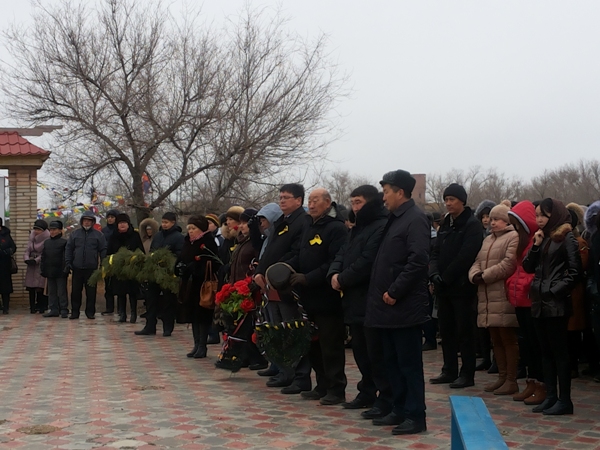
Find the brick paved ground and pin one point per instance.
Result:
(103, 387)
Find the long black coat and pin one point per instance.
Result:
(7, 249)
(557, 267)
(400, 269)
(53, 257)
(354, 261)
(319, 244)
(456, 247)
(131, 240)
(192, 277)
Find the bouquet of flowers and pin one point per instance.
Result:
(235, 300)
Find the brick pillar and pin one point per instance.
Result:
(22, 185)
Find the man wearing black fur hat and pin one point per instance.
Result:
(458, 241)
(397, 302)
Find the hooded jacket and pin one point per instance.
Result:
(519, 283)
(319, 244)
(456, 247)
(400, 269)
(35, 247)
(272, 212)
(496, 261)
(590, 216)
(53, 257)
(557, 265)
(108, 230)
(85, 248)
(147, 240)
(354, 261)
(489, 204)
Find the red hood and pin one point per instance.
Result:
(525, 213)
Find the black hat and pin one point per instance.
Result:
(40, 225)
(401, 179)
(200, 222)
(437, 217)
(123, 218)
(56, 224)
(456, 190)
(247, 214)
(112, 212)
(170, 216)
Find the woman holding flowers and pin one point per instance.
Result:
(199, 249)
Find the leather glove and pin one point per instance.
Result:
(478, 278)
(437, 280)
(297, 279)
(30, 262)
(67, 269)
(180, 268)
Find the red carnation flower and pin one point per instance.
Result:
(202, 246)
(247, 305)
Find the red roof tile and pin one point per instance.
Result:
(11, 144)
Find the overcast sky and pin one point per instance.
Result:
(439, 84)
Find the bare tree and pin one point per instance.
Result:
(141, 93)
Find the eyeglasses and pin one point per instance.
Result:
(283, 198)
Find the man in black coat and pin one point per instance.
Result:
(108, 231)
(169, 236)
(397, 301)
(283, 245)
(319, 244)
(458, 241)
(52, 267)
(350, 274)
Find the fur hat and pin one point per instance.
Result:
(457, 191)
(199, 222)
(214, 219)
(170, 216)
(399, 178)
(484, 208)
(247, 214)
(56, 224)
(123, 218)
(591, 215)
(40, 225)
(500, 212)
(577, 213)
(234, 213)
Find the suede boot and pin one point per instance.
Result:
(196, 340)
(538, 396)
(500, 357)
(549, 401)
(526, 393)
(511, 351)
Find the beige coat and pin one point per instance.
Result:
(497, 259)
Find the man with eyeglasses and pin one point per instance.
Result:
(283, 245)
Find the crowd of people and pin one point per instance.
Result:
(515, 283)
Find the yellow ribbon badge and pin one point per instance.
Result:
(316, 240)
(285, 230)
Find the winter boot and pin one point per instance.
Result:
(527, 392)
(500, 357)
(196, 335)
(32, 305)
(133, 306)
(550, 400)
(122, 309)
(538, 396)
(511, 350)
(202, 339)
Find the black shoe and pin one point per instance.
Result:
(50, 314)
(107, 313)
(90, 316)
(462, 382)
(200, 353)
(193, 352)
(64, 315)
(493, 368)
(258, 366)
(133, 318)
(409, 426)
(332, 399)
(278, 381)
(144, 332)
(313, 395)
(358, 403)
(293, 389)
(443, 378)
(428, 346)
(560, 408)
(373, 413)
(485, 365)
(390, 419)
(270, 372)
(5, 311)
(74, 316)
(546, 404)
(167, 333)
(122, 318)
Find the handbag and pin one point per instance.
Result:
(208, 290)
(13, 265)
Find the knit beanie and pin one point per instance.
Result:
(234, 213)
(199, 222)
(500, 212)
(457, 191)
(40, 225)
(123, 218)
(214, 219)
(170, 216)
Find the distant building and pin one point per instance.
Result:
(419, 191)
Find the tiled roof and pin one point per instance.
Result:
(11, 144)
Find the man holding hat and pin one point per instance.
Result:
(459, 239)
(397, 301)
(169, 236)
(53, 268)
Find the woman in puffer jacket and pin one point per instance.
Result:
(496, 261)
(554, 258)
(522, 218)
